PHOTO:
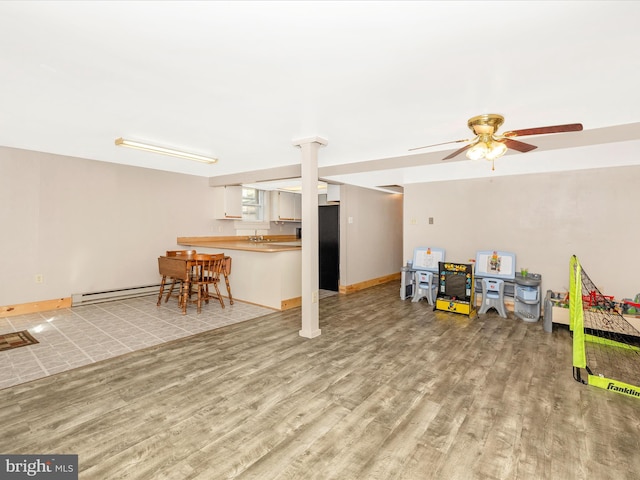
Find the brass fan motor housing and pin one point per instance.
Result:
(485, 124)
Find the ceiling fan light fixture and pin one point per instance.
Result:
(478, 151)
(496, 150)
(121, 142)
(490, 145)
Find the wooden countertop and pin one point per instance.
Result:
(270, 245)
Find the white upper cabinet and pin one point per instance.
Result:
(333, 193)
(286, 207)
(227, 203)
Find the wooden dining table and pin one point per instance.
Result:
(179, 267)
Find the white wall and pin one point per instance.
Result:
(543, 218)
(371, 245)
(91, 226)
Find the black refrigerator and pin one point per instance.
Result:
(329, 247)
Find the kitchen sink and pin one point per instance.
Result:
(276, 242)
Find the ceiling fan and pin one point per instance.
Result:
(490, 145)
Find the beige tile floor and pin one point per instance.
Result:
(77, 336)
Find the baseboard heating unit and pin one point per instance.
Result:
(115, 294)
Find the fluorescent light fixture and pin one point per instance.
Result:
(121, 142)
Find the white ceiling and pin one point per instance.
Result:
(241, 80)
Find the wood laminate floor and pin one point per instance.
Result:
(390, 390)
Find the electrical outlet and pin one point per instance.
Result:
(220, 229)
(314, 297)
(413, 221)
(39, 278)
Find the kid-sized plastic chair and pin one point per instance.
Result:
(493, 296)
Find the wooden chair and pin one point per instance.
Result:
(206, 272)
(174, 280)
(226, 272)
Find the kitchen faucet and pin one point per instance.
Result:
(255, 237)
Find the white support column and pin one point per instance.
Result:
(310, 269)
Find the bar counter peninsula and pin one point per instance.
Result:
(267, 272)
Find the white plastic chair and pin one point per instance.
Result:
(493, 296)
(425, 287)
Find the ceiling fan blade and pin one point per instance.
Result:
(436, 144)
(517, 145)
(457, 152)
(571, 127)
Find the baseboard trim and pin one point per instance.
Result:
(34, 307)
(356, 287)
(291, 303)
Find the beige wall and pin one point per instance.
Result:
(543, 218)
(91, 226)
(371, 245)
